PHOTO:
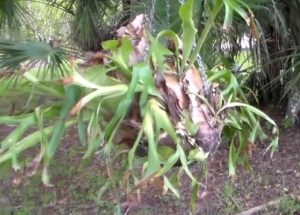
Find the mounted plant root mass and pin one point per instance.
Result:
(145, 107)
(174, 101)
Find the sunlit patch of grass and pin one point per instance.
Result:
(244, 60)
(75, 185)
(289, 206)
(231, 206)
(25, 209)
(31, 197)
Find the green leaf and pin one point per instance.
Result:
(81, 130)
(158, 53)
(14, 119)
(184, 163)
(218, 4)
(189, 125)
(162, 120)
(273, 145)
(142, 74)
(100, 92)
(121, 56)
(124, 104)
(45, 176)
(133, 149)
(233, 5)
(232, 121)
(172, 35)
(73, 93)
(228, 17)
(41, 115)
(194, 196)
(30, 141)
(53, 61)
(232, 158)
(98, 76)
(146, 80)
(153, 158)
(110, 44)
(197, 155)
(251, 108)
(253, 134)
(94, 139)
(165, 152)
(169, 186)
(15, 163)
(15, 136)
(12, 16)
(172, 160)
(189, 31)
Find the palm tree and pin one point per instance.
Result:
(281, 29)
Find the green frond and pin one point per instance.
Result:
(95, 21)
(12, 16)
(20, 57)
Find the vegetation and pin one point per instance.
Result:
(153, 97)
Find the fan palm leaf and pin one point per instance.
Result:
(21, 56)
(12, 16)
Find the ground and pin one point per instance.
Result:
(79, 189)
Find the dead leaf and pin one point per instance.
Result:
(193, 82)
(135, 31)
(173, 84)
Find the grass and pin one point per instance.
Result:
(78, 189)
(73, 186)
(289, 206)
(244, 60)
(233, 204)
(230, 204)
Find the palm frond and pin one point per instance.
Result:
(94, 22)
(19, 57)
(12, 16)
(66, 6)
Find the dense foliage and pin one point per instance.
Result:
(158, 90)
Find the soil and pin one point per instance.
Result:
(77, 190)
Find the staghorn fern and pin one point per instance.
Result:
(143, 84)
